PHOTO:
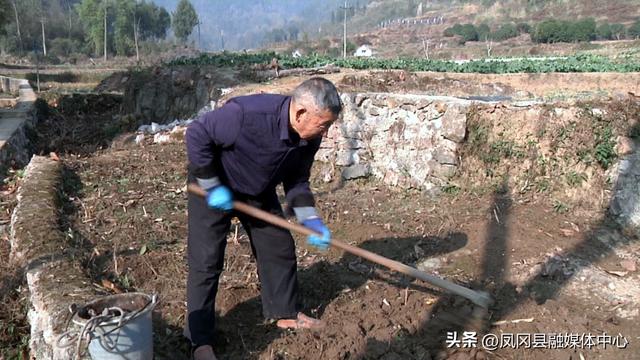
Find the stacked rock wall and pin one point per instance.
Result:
(405, 140)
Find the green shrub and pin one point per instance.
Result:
(452, 31)
(618, 31)
(484, 32)
(634, 30)
(583, 30)
(605, 153)
(523, 28)
(548, 31)
(64, 47)
(467, 32)
(552, 31)
(604, 32)
(505, 31)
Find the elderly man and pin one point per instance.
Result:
(242, 151)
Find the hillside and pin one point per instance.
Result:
(623, 11)
(408, 27)
(251, 24)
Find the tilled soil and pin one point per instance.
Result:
(127, 207)
(549, 273)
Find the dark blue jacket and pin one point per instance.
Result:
(248, 144)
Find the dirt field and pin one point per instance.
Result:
(549, 272)
(554, 87)
(137, 209)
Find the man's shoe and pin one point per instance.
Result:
(204, 352)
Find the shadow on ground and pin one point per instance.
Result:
(321, 283)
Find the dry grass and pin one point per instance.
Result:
(557, 153)
(35, 224)
(14, 328)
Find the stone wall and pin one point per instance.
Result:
(414, 141)
(40, 248)
(409, 141)
(404, 140)
(166, 94)
(11, 85)
(14, 149)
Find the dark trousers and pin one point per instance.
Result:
(273, 248)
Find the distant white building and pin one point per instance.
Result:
(296, 54)
(364, 50)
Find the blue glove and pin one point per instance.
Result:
(220, 198)
(320, 241)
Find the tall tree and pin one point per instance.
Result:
(123, 27)
(15, 10)
(96, 16)
(42, 15)
(154, 21)
(105, 7)
(70, 17)
(184, 20)
(136, 31)
(28, 18)
(4, 11)
(44, 37)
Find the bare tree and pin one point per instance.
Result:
(15, 10)
(44, 38)
(70, 19)
(425, 46)
(105, 30)
(489, 43)
(136, 26)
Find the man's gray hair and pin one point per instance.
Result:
(322, 92)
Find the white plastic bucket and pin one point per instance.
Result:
(131, 339)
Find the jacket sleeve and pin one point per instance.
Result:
(208, 134)
(296, 184)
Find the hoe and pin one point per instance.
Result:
(480, 298)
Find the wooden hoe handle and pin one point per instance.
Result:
(477, 297)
